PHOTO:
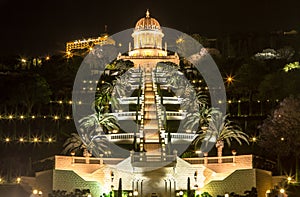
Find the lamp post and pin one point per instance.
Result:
(112, 176)
(234, 154)
(195, 176)
(73, 159)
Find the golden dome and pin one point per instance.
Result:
(147, 22)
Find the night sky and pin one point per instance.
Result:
(35, 27)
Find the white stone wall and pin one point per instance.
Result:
(217, 179)
(44, 180)
(263, 182)
(237, 182)
(69, 181)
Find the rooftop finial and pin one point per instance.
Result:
(147, 13)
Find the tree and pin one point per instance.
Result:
(73, 144)
(280, 132)
(201, 39)
(60, 74)
(187, 45)
(120, 65)
(205, 194)
(32, 89)
(120, 188)
(189, 193)
(105, 121)
(248, 78)
(221, 129)
(286, 53)
(251, 193)
(279, 84)
(196, 120)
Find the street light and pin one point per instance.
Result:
(181, 193)
(135, 193)
(229, 79)
(282, 190)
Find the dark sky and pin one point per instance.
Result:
(40, 27)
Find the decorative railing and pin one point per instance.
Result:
(143, 160)
(211, 160)
(121, 136)
(91, 160)
(175, 137)
(129, 100)
(182, 136)
(176, 115)
(126, 115)
(172, 100)
(241, 161)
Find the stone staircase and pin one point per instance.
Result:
(151, 131)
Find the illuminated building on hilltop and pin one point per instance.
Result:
(148, 44)
(87, 43)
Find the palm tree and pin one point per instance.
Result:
(190, 101)
(103, 97)
(199, 119)
(97, 144)
(221, 129)
(92, 130)
(73, 144)
(96, 121)
(202, 98)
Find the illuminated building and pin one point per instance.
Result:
(87, 43)
(215, 175)
(148, 44)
